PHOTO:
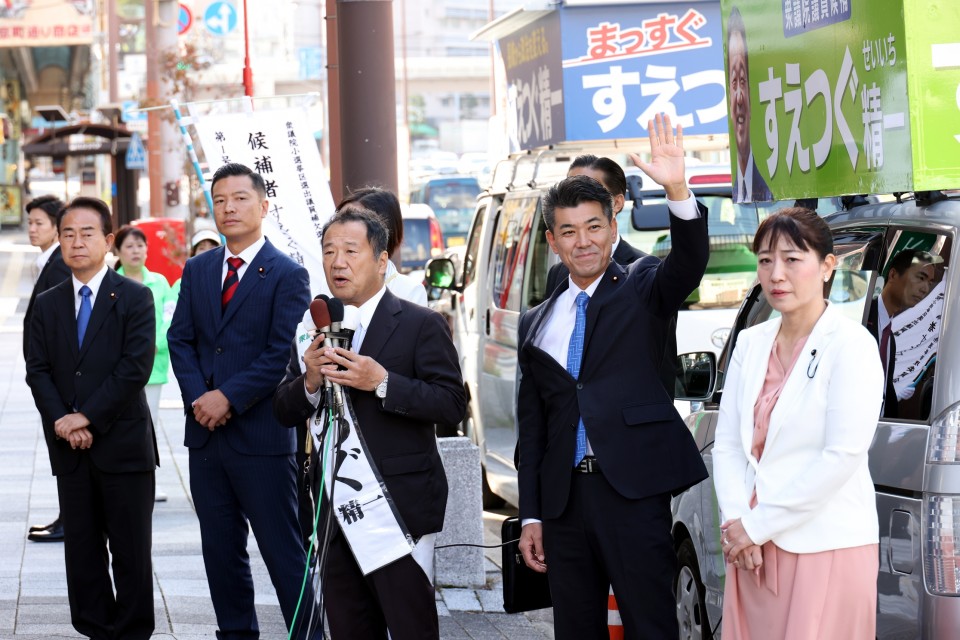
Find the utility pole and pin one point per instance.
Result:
(368, 111)
(164, 153)
(335, 156)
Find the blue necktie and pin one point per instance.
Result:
(574, 355)
(83, 317)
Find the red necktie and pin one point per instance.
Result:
(884, 345)
(231, 281)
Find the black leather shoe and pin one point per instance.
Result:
(54, 534)
(45, 527)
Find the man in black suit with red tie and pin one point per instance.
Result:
(92, 343)
(49, 270)
(403, 376)
(602, 449)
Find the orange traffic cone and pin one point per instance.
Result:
(614, 623)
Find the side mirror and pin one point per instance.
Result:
(696, 376)
(650, 217)
(440, 274)
(634, 188)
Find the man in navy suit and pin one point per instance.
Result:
(402, 374)
(602, 448)
(49, 271)
(92, 342)
(237, 312)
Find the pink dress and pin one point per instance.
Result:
(831, 595)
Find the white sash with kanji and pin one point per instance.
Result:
(360, 500)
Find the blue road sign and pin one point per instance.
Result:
(220, 18)
(131, 113)
(136, 154)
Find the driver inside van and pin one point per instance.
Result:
(910, 277)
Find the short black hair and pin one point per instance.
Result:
(573, 191)
(805, 229)
(905, 259)
(123, 233)
(376, 230)
(613, 177)
(50, 205)
(385, 204)
(94, 204)
(237, 169)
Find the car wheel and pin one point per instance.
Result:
(689, 591)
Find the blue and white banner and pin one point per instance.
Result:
(624, 64)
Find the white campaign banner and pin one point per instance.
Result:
(917, 331)
(279, 145)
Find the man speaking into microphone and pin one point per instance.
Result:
(401, 375)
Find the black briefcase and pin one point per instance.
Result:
(523, 588)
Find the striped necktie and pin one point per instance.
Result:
(231, 282)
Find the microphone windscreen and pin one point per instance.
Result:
(351, 318)
(320, 313)
(322, 296)
(336, 309)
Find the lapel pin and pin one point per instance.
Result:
(262, 272)
(616, 278)
(113, 295)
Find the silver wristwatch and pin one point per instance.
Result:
(382, 387)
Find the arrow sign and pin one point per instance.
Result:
(136, 154)
(184, 19)
(220, 18)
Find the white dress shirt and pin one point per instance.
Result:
(247, 255)
(94, 285)
(42, 260)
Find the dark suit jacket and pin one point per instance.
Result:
(52, 274)
(241, 351)
(643, 446)
(425, 387)
(891, 404)
(103, 379)
(625, 255)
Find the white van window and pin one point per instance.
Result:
(510, 249)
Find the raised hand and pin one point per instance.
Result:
(667, 164)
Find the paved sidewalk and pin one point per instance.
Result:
(33, 593)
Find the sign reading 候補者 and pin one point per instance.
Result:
(624, 64)
(279, 145)
(531, 60)
(831, 97)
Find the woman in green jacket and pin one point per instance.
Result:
(131, 246)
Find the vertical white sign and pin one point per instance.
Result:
(279, 145)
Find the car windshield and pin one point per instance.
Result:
(453, 203)
(732, 266)
(415, 250)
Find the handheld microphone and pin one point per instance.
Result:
(320, 314)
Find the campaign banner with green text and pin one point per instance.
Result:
(820, 106)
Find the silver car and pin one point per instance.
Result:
(915, 457)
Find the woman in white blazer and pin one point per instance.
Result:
(801, 400)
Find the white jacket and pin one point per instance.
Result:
(814, 490)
